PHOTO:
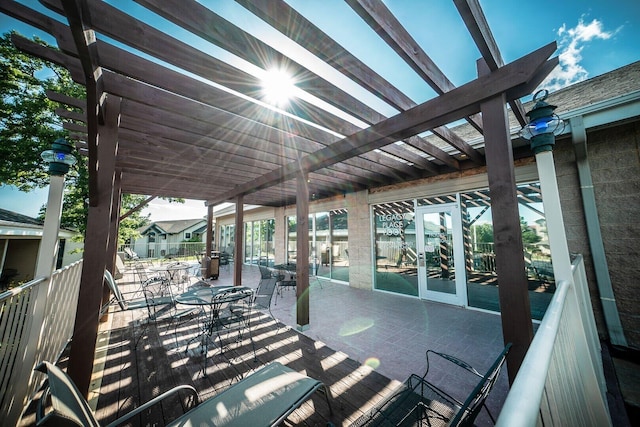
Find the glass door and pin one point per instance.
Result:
(440, 250)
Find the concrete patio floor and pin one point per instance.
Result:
(392, 333)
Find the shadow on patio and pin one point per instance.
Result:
(361, 344)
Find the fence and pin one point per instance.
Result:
(25, 342)
(561, 381)
(165, 249)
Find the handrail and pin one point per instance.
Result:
(525, 396)
(24, 341)
(560, 381)
(24, 287)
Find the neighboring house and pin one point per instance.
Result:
(169, 238)
(20, 237)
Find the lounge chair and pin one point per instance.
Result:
(421, 402)
(265, 398)
(124, 304)
(158, 301)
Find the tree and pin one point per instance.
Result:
(28, 123)
(130, 225)
(484, 233)
(28, 126)
(529, 235)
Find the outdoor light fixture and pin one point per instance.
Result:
(543, 124)
(59, 157)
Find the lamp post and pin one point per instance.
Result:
(59, 159)
(541, 130)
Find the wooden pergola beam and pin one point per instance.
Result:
(476, 23)
(515, 80)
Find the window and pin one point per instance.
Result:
(328, 244)
(227, 237)
(259, 245)
(187, 236)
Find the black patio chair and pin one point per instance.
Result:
(421, 402)
(225, 260)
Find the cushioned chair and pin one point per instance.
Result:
(69, 408)
(265, 398)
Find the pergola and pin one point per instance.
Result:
(164, 118)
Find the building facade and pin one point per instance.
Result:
(431, 238)
(163, 239)
(20, 237)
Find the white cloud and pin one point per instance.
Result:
(571, 42)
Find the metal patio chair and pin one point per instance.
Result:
(421, 402)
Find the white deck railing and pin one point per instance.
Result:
(561, 381)
(19, 345)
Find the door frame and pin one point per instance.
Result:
(460, 297)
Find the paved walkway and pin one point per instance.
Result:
(391, 333)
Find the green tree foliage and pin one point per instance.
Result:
(484, 233)
(28, 123)
(529, 235)
(28, 126)
(130, 225)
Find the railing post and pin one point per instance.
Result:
(47, 254)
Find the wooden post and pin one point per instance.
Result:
(517, 327)
(112, 248)
(239, 242)
(208, 246)
(302, 252)
(85, 331)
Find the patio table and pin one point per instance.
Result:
(222, 311)
(171, 270)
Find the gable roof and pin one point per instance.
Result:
(173, 227)
(14, 217)
(16, 224)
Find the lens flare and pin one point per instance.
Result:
(278, 87)
(355, 326)
(372, 362)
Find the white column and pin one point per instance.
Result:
(47, 254)
(553, 215)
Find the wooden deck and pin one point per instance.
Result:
(137, 360)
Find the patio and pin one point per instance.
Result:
(352, 345)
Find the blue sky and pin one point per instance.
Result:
(593, 37)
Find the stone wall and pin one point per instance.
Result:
(614, 158)
(360, 275)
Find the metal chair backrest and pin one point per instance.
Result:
(67, 403)
(265, 273)
(144, 278)
(264, 294)
(115, 290)
(475, 401)
(225, 258)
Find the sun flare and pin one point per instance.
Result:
(278, 87)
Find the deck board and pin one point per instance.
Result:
(143, 362)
